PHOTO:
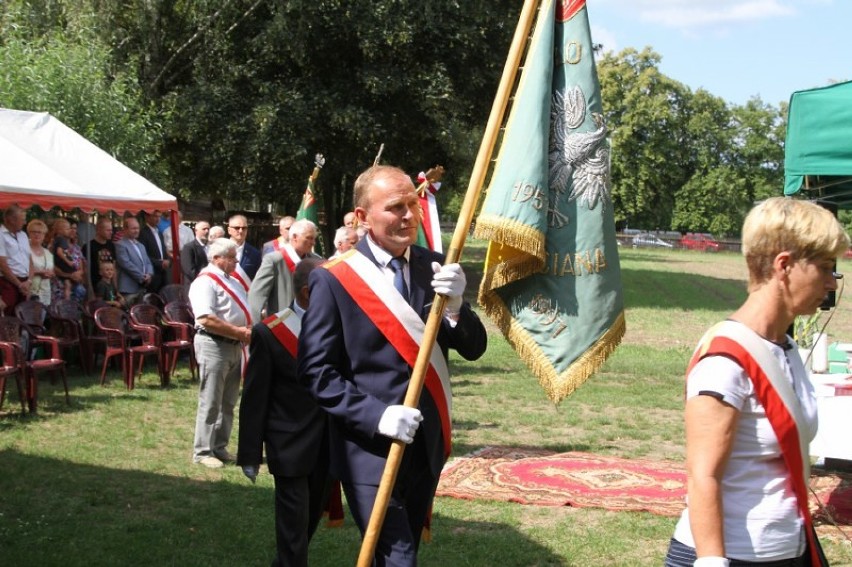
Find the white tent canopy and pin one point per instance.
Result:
(45, 163)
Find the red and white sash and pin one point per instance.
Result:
(235, 295)
(398, 322)
(429, 206)
(291, 264)
(286, 326)
(242, 277)
(779, 400)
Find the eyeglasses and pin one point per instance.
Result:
(239, 227)
(837, 275)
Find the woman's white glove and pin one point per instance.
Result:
(711, 561)
(449, 280)
(400, 423)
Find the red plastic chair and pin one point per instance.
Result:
(173, 338)
(152, 298)
(13, 365)
(114, 323)
(66, 324)
(93, 338)
(33, 317)
(178, 316)
(12, 331)
(174, 292)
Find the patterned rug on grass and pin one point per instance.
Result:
(834, 490)
(544, 478)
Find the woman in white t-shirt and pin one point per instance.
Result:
(42, 261)
(750, 409)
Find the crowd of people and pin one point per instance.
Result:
(45, 258)
(40, 260)
(328, 409)
(326, 350)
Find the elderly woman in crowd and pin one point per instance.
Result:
(750, 410)
(42, 261)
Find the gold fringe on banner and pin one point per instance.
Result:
(510, 232)
(507, 272)
(556, 385)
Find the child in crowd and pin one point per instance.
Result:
(105, 288)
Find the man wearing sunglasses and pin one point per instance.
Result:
(247, 255)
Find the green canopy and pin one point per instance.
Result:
(818, 151)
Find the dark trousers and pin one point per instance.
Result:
(299, 505)
(681, 555)
(407, 510)
(11, 296)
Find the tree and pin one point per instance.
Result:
(683, 160)
(69, 73)
(643, 112)
(258, 88)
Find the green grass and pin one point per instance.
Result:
(108, 480)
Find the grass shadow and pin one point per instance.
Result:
(85, 392)
(60, 512)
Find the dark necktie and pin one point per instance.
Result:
(397, 265)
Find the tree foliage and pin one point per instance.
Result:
(257, 88)
(685, 160)
(245, 92)
(68, 71)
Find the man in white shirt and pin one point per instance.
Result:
(185, 235)
(223, 328)
(15, 259)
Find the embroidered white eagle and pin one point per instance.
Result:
(580, 159)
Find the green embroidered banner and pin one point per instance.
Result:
(552, 280)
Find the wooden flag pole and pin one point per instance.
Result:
(433, 323)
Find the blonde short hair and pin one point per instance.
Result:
(37, 224)
(780, 224)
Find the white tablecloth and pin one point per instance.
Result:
(834, 437)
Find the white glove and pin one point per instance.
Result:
(251, 472)
(400, 423)
(711, 561)
(449, 281)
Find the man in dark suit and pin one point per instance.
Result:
(359, 341)
(276, 410)
(248, 255)
(152, 240)
(193, 256)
